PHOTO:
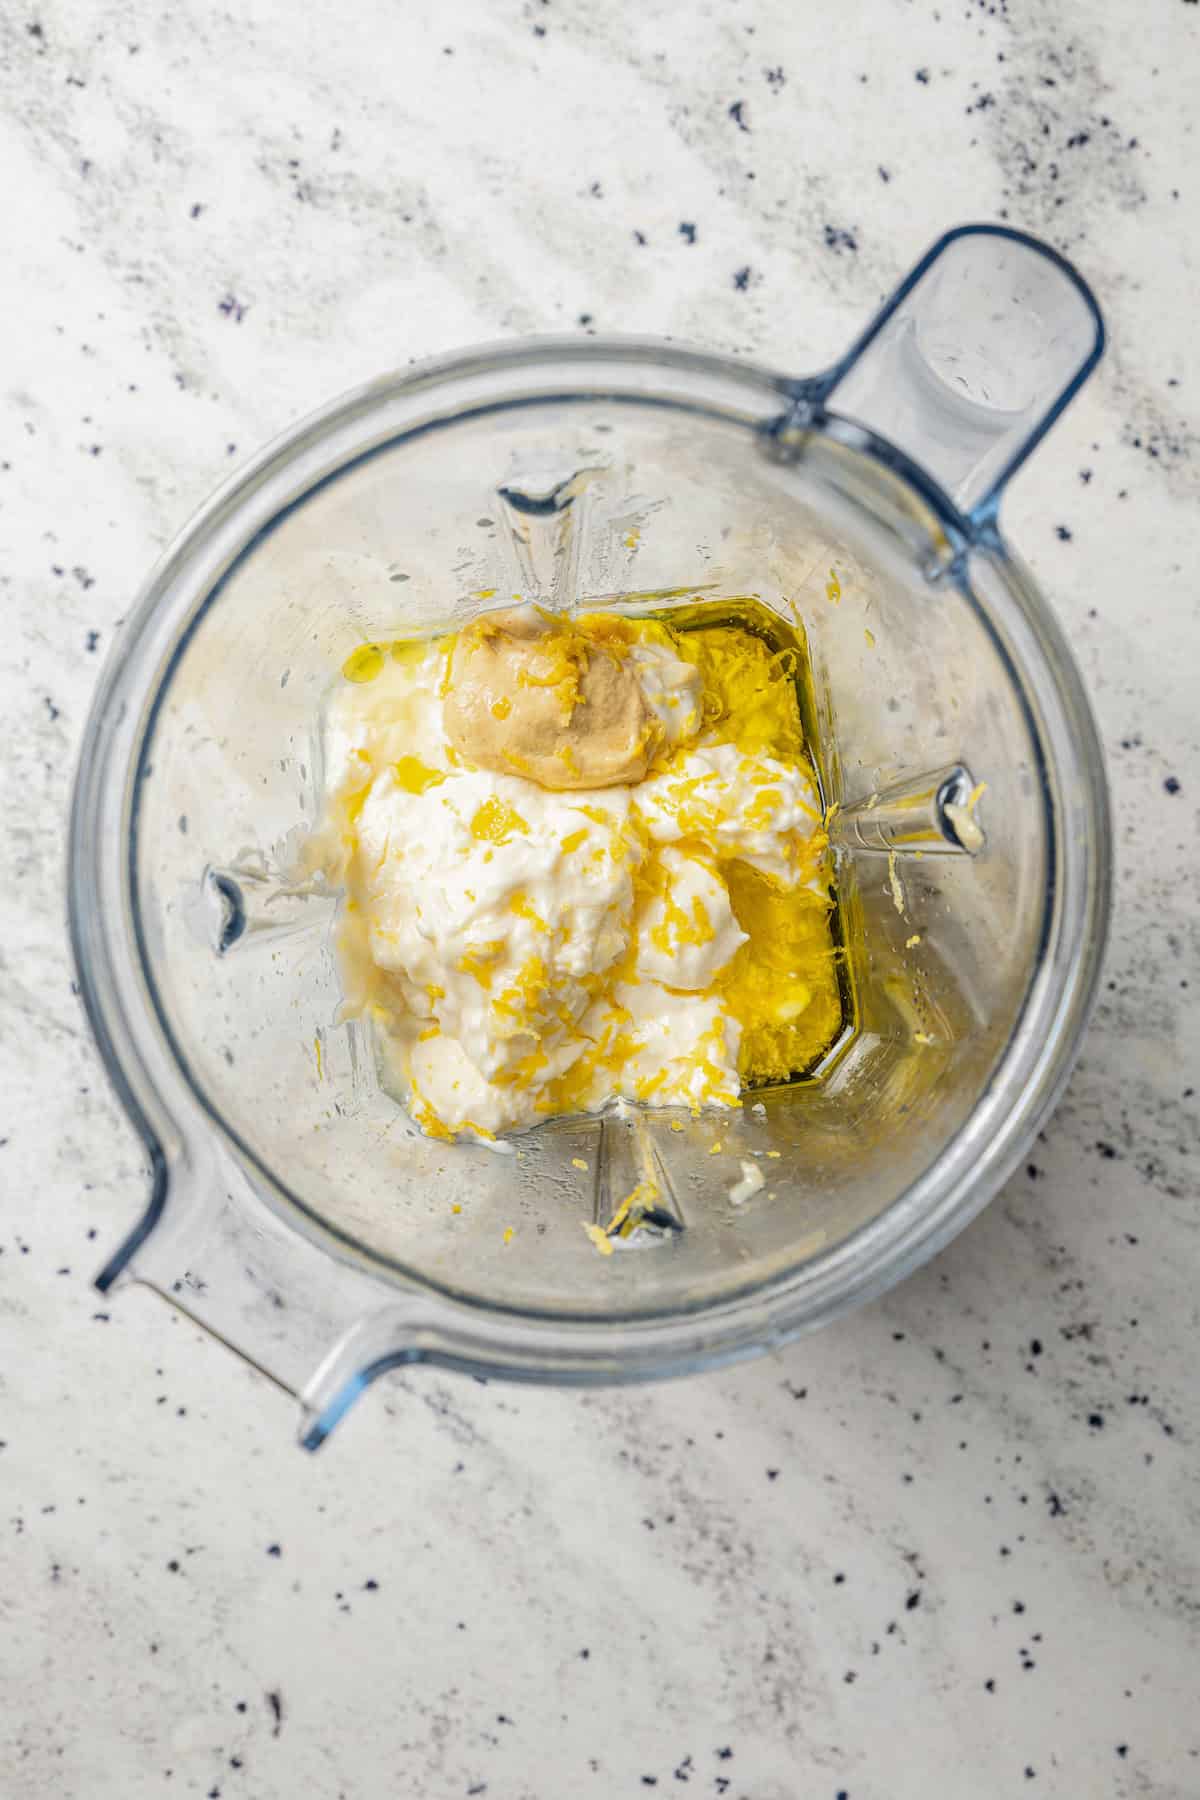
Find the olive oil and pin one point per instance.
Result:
(789, 985)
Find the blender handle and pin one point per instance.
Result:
(969, 363)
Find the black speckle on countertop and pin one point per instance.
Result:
(838, 239)
(737, 112)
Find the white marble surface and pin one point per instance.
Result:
(947, 1547)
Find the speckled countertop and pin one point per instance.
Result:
(950, 1545)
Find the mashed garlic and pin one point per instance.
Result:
(530, 693)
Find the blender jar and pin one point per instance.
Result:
(296, 1212)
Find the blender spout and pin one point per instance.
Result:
(970, 362)
(634, 1200)
(249, 903)
(543, 533)
(932, 814)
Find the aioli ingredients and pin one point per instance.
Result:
(583, 858)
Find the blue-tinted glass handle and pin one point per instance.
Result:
(972, 359)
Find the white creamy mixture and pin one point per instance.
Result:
(524, 951)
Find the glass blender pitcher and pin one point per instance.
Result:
(296, 1212)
